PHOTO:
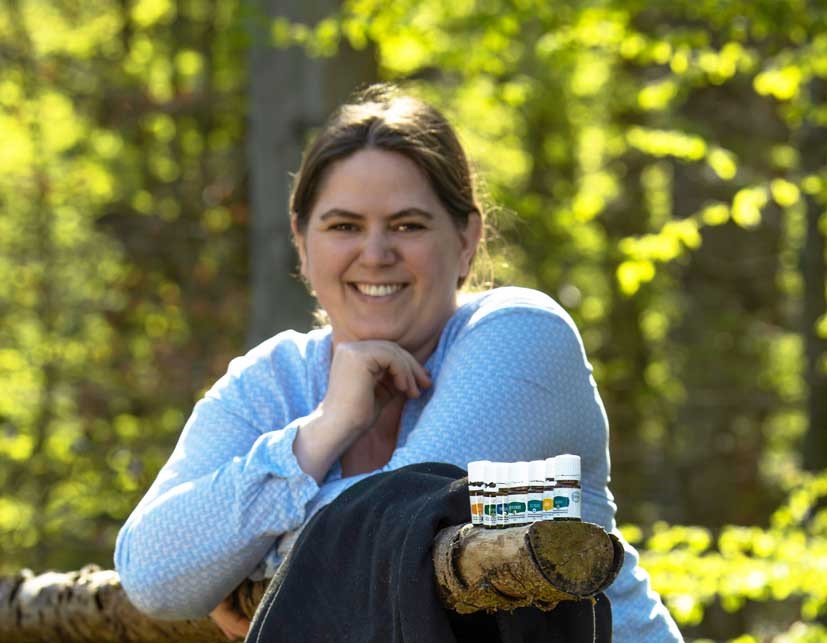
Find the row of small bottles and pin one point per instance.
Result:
(506, 494)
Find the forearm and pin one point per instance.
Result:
(186, 547)
(319, 443)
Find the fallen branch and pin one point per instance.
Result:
(539, 564)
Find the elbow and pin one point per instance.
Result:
(152, 592)
(158, 599)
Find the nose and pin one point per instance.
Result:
(378, 249)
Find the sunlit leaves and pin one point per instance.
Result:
(667, 143)
(632, 273)
(783, 192)
(723, 162)
(745, 563)
(90, 127)
(657, 95)
(146, 13)
(782, 83)
(747, 204)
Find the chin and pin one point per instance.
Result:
(378, 332)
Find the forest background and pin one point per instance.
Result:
(659, 168)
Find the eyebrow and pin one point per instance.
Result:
(338, 212)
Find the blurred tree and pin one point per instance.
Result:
(290, 94)
(120, 121)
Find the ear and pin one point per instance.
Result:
(298, 240)
(470, 240)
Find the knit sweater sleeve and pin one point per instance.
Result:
(515, 384)
(230, 488)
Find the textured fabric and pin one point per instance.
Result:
(510, 382)
(380, 582)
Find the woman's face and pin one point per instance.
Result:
(382, 254)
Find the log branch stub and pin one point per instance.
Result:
(538, 564)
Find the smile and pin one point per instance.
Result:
(378, 290)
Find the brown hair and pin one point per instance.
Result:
(382, 118)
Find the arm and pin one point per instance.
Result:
(238, 478)
(231, 486)
(516, 385)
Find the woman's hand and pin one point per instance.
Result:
(234, 624)
(364, 377)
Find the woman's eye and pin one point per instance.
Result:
(342, 227)
(409, 227)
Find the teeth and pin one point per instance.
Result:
(378, 290)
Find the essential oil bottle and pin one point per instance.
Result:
(567, 492)
(502, 470)
(548, 490)
(517, 494)
(489, 496)
(476, 486)
(536, 485)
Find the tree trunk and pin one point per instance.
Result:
(475, 568)
(813, 139)
(290, 93)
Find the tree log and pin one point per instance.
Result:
(475, 568)
(539, 564)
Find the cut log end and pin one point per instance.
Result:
(531, 565)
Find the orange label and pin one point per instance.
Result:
(476, 509)
(548, 504)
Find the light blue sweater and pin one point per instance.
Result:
(510, 382)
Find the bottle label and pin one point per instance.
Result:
(548, 508)
(534, 507)
(476, 511)
(567, 501)
(489, 514)
(516, 513)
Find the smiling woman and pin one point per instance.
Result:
(382, 254)
(387, 225)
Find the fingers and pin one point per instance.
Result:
(230, 622)
(364, 376)
(408, 375)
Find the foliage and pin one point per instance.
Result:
(747, 568)
(117, 192)
(658, 168)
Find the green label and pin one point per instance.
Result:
(490, 510)
(560, 502)
(535, 505)
(516, 507)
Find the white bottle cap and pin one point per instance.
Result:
(490, 472)
(550, 468)
(476, 470)
(501, 471)
(567, 467)
(537, 470)
(519, 473)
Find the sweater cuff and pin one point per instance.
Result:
(279, 448)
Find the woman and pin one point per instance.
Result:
(387, 224)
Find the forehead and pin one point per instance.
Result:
(376, 181)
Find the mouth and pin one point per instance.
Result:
(377, 290)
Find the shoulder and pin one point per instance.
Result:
(509, 328)
(510, 309)
(289, 357)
